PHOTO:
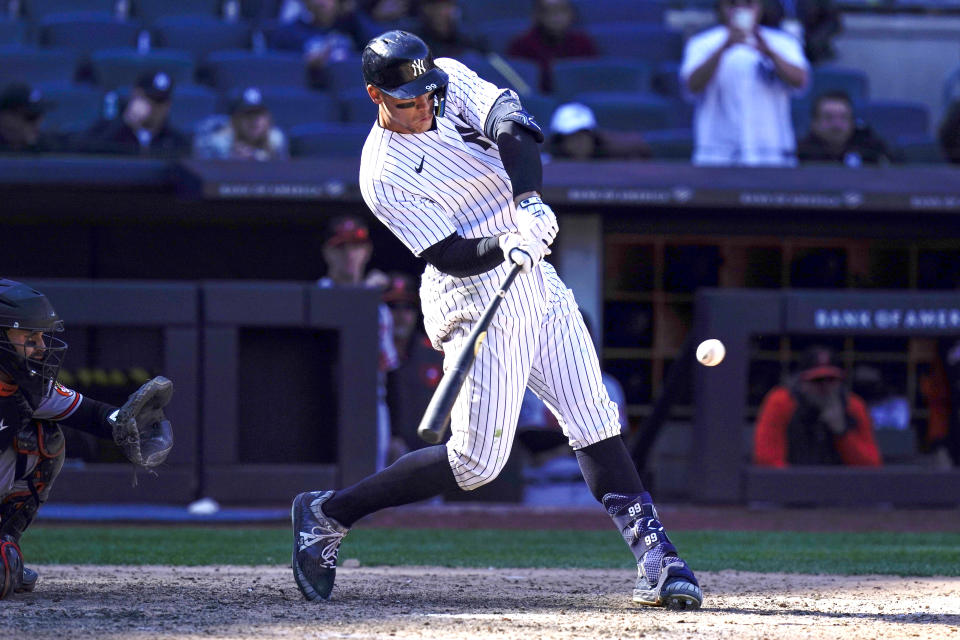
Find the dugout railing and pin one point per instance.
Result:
(719, 471)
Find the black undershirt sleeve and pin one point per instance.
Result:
(520, 155)
(462, 257)
(91, 417)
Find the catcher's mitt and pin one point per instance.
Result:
(140, 428)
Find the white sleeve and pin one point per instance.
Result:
(699, 48)
(60, 403)
(469, 95)
(787, 46)
(418, 222)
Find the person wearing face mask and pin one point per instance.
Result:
(814, 419)
(742, 75)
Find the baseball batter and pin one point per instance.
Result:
(452, 168)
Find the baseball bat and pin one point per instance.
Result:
(433, 425)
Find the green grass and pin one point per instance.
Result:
(914, 554)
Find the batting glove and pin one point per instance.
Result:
(536, 220)
(519, 250)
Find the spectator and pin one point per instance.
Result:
(574, 135)
(347, 251)
(248, 133)
(411, 385)
(940, 438)
(552, 36)
(21, 114)
(143, 127)
(440, 28)
(950, 133)
(742, 76)
(814, 419)
(326, 31)
(387, 10)
(813, 22)
(836, 137)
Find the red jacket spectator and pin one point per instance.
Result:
(814, 421)
(552, 37)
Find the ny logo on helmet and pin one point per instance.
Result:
(419, 66)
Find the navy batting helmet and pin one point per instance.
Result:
(400, 64)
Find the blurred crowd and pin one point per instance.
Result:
(271, 79)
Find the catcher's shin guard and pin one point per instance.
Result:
(11, 566)
(42, 446)
(663, 579)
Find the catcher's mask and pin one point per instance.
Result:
(26, 309)
(400, 64)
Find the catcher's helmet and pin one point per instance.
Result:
(23, 307)
(400, 64)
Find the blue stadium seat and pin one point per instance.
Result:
(357, 108)
(477, 11)
(894, 118)
(12, 32)
(114, 68)
(71, 108)
(344, 75)
(259, 10)
(597, 11)
(325, 139)
(833, 78)
(670, 144)
(922, 149)
(149, 11)
(293, 106)
(951, 87)
(573, 76)
(233, 68)
(498, 34)
(666, 80)
(800, 114)
(37, 9)
(37, 66)
(652, 43)
(629, 111)
(88, 31)
(523, 76)
(541, 106)
(201, 35)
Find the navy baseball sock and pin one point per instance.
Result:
(607, 468)
(415, 476)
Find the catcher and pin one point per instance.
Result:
(33, 405)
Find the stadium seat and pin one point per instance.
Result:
(357, 108)
(923, 149)
(114, 68)
(951, 87)
(541, 106)
(12, 32)
(259, 10)
(477, 11)
(894, 118)
(598, 11)
(498, 34)
(629, 111)
(651, 43)
(149, 11)
(200, 35)
(833, 78)
(523, 76)
(573, 76)
(293, 106)
(666, 80)
(36, 10)
(37, 66)
(344, 75)
(71, 108)
(800, 114)
(324, 139)
(87, 32)
(233, 68)
(670, 144)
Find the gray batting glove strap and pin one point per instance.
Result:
(140, 427)
(536, 220)
(522, 251)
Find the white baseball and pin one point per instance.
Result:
(710, 352)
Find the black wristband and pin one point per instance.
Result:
(91, 417)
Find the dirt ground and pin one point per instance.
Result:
(263, 602)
